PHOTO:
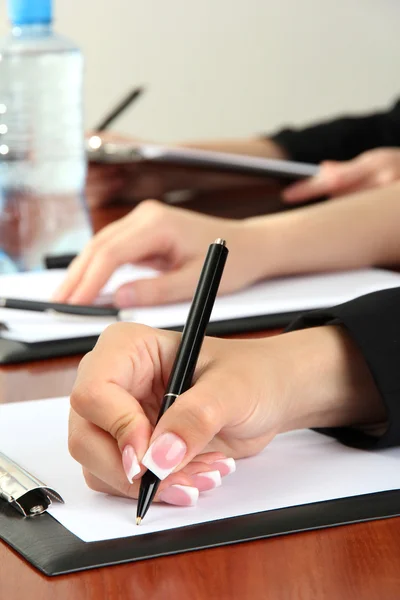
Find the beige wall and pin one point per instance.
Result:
(233, 67)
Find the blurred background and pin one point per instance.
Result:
(232, 67)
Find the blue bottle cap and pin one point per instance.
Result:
(29, 12)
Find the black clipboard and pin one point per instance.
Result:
(54, 550)
(12, 351)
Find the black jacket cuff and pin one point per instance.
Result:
(373, 322)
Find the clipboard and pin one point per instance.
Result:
(221, 162)
(54, 550)
(14, 351)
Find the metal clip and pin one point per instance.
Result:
(23, 491)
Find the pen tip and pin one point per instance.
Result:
(138, 520)
(220, 241)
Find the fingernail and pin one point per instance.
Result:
(125, 297)
(164, 454)
(225, 466)
(207, 480)
(180, 495)
(130, 463)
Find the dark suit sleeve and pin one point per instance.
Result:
(343, 138)
(373, 322)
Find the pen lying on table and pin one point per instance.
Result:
(58, 307)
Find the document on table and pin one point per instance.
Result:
(296, 468)
(276, 296)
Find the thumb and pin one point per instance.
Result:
(172, 286)
(333, 178)
(184, 431)
(308, 189)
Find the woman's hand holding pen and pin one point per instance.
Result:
(244, 393)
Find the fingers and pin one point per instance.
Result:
(79, 265)
(116, 382)
(177, 494)
(187, 428)
(133, 239)
(333, 178)
(98, 453)
(168, 287)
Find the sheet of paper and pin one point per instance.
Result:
(296, 468)
(268, 297)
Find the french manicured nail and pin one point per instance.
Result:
(164, 454)
(125, 297)
(207, 480)
(180, 495)
(225, 466)
(130, 463)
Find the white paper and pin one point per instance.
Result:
(269, 297)
(296, 468)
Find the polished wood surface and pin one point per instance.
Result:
(357, 562)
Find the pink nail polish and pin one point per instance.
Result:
(225, 466)
(130, 463)
(180, 495)
(164, 454)
(207, 480)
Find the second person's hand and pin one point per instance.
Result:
(371, 169)
(170, 240)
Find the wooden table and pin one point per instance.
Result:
(356, 562)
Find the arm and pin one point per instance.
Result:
(341, 139)
(311, 378)
(373, 323)
(354, 232)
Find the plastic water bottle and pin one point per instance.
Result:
(42, 152)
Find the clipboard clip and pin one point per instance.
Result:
(26, 493)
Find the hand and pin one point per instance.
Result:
(244, 393)
(371, 169)
(171, 240)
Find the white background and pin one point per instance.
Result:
(233, 67)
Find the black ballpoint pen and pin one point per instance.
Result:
(188, 352)
(119, 109)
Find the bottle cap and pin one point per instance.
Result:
(29, 12)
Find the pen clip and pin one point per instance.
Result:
(24, 491)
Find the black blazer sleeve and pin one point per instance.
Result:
(373, 322)
(343, 138)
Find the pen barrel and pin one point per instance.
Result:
(189, 349)
(196, 324)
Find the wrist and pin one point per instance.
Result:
(330, 384)
(269, 240)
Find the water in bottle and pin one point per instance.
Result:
(42, 152)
